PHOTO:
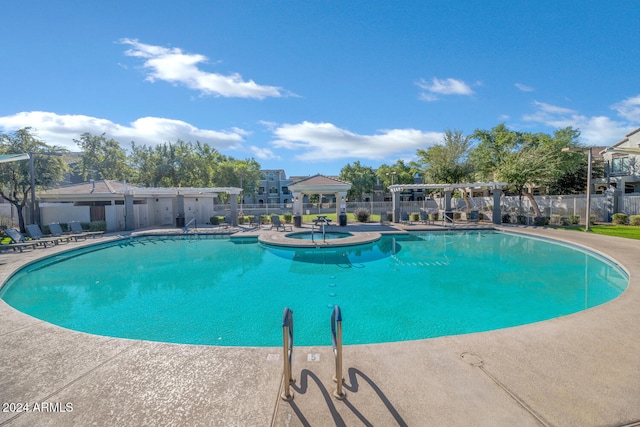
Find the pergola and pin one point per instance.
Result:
(320, 184)
(448, 190)
(13, 157)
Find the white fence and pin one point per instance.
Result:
(602, 207)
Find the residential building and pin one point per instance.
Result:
(272, 189)
(623, 167)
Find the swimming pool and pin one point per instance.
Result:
(221, 291)
(329, 235)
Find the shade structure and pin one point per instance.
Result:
(13, 157)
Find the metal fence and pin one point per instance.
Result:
(602, 207)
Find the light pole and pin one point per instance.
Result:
(587, 226)
(392, 175)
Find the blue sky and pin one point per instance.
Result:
(311, 86)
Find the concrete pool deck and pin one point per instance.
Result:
(578, 370)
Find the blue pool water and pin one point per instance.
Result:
(231, 292)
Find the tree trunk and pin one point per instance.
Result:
(465, 197)
(534, 204)
(19, 210)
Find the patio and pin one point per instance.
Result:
(577, 370)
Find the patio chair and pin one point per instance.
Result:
(424, 217)
(56, 231)
(18, 241)
(34, 231)
(404, 218)
(256, 221)
(277, 224)
(76, 230)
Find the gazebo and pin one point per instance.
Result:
(320, 184)
(448, 190)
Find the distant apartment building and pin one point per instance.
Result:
(273, 188)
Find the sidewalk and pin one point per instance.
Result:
(577, 370)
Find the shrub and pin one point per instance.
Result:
(540, 221)
(506, 218)
(564, 220)
(634, 220)
(620, 218)
(288, 217)
(457, 216)
(574, 219)
(389, 216)
(433, 216)
(98, 226)
(362, 214)
(555, 219)
(241, 220)
(416, 217)
(214, 220)
(522, 219)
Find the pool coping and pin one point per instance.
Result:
(283, 239)
(580, 369)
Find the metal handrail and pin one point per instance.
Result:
(287, 339)
(186, 227)
(446, 218)
(336, 338)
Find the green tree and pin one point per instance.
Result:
(15, 177)
(184, 164)
(523, 160)
(179, 164)
(571, 176)
(447, 163)
(397, 173)
(102, 158)
(231, 172)
(362, 179)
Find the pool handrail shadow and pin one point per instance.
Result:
(353, 387)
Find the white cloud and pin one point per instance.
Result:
(175, 66)
(596, 130)
(524, 88)
(442, 87)
(325, 141)
(263, 153)
(61, 130)
(629, 109)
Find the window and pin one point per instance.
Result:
(273, 190)
(620, 165)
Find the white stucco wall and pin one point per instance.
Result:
(63, 213)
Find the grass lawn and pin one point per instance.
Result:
(626, 231)
(333, 217)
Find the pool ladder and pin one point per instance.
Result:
(287, 341)
(324, 237)
(185, 229)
